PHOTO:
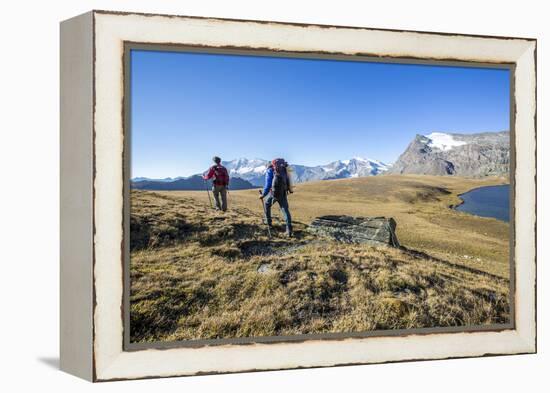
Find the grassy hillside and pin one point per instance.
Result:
(197, 273)
(419, 204)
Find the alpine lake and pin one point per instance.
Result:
(490, 201)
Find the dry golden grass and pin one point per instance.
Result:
(194, 271)
(419, 204)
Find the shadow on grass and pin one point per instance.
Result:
(422, 255)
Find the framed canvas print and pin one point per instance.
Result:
(247, 195)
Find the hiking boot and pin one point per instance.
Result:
(289, 234)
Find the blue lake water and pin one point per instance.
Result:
(491, 201)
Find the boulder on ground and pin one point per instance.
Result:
(374, 231)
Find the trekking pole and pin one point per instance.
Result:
(265, 216)
(208, 192)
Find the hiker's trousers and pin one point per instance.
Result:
(220, 191)
(283, 204)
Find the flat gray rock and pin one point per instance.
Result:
(374, 231)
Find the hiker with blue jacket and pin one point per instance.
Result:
(276, 188)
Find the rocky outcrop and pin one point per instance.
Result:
(483, 154)
(374, 231)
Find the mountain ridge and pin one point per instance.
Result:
(253, 170)
(438, 153)
(191, 183)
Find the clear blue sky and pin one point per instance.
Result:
(187, 107)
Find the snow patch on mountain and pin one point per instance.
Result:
(442, 141)
(443, 154)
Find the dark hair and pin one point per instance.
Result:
(216, 159)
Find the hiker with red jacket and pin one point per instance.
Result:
(277, 186)
(220, 182)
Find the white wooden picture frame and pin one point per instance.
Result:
(93, 190)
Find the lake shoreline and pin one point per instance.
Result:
(463, 201)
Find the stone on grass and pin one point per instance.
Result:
(373, 231)
(264, 268)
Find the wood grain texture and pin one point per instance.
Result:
(76, 171)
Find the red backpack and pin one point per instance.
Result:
(221, 177)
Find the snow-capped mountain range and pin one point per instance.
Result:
(253, 170)
(437, 153)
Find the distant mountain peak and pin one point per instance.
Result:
(361, 159)
(441, 153)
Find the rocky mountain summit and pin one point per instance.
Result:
(483, 154)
